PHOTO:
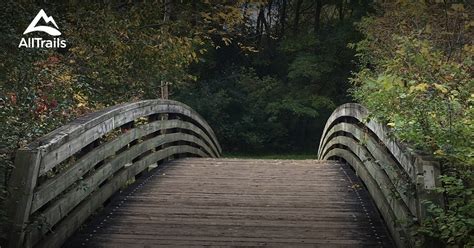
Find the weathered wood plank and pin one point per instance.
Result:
(95, 200)
(388, 182)
(412, 181)
(44, 207)
(357, 111)
(377, 194)
(120, 240)
(205, 204)
(377, 150)
(22, 183)
(62, 206)
(61, 144)
(54, 186)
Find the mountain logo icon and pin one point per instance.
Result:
(47, 29)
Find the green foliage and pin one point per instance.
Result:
(35, 91)
(277, 99)
(426, 99)
(307, 67)
(255, 114)
(132, 58)
(454, 225)
(417, 80)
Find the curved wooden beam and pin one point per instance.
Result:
(398, 179)
(396, 176)
(62, 178)
(361, 114)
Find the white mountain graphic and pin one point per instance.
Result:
(50, 30)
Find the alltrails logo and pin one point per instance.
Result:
(40, 42)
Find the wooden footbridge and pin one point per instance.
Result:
(148, 174)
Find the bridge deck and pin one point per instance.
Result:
(235, 202)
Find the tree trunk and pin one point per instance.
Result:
(297, 16)
(168, 10)
(341, 10)
(269, 14)
(317, 16)
(261, 23)
(283, 18)
(194, 13)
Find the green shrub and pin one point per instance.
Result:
(417, 77)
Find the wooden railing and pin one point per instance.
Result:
(398, 179)
(64, 177)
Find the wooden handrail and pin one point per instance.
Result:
(62, 178)
(398, 179)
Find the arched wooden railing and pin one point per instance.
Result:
(62, 178)
(398, 179)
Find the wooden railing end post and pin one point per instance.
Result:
(21, 186)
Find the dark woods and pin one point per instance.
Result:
(274, 96)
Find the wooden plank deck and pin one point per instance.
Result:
(239, 202)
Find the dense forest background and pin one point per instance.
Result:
(264, 74)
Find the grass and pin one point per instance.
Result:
(289, 156)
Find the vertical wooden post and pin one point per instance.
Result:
(428, 171)
(164, 90)
(21, 186)
(165, 96)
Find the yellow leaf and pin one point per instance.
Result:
(441, 88)
(419, 87)
(439, 152)
(81, 100)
